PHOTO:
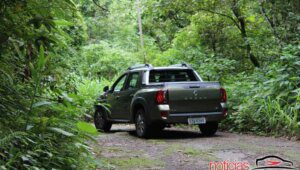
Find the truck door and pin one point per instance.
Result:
(131, 87)
(113, 98)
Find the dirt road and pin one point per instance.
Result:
(178, 148)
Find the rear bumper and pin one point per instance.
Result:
(183, 117)
(173, 118)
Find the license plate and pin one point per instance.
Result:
(196, 121)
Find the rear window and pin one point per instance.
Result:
(158, 76)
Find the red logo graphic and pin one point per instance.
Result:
(271, 162)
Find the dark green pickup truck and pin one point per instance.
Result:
(156, 97)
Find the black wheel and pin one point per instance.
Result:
(101, 122)
(209, 129)
(141, 127)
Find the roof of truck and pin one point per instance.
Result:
(182, 66)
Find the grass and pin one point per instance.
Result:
(269, 149)
(293, 155)
(172, 149)
(130, 163)
(114, 149)
(205, 155)
(153, 141)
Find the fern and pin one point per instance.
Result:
(10, 137)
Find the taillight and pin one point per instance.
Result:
(223, 95)
(160, 97)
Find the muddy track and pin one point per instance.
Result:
(181, 148)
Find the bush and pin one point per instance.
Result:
(268, 100)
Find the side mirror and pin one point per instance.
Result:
(106, 88)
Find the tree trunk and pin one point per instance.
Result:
(139, 12)
(242, 26)
(270, 22)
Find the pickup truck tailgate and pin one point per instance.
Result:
(193, 97)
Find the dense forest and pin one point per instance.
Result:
(56, 56)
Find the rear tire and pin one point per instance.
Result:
(101, 122)
(209, 129)
(141, 127)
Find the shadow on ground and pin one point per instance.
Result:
(168, 134)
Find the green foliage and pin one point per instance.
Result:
(218, 39)
(4, 141)
(56, 57)
(39, 114)
(86, 127)
(268, 100)
(100, 60)
(191, 51)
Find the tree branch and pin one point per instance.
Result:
(101, 7)
(224, 15)
(271, 23)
